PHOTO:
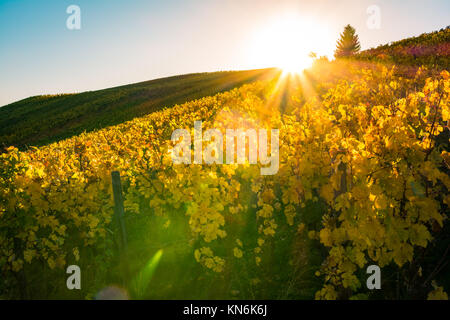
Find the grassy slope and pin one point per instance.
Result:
(42, 119)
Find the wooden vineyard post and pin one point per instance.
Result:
(118, 208)
(119, 213)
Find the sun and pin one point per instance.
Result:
(286, 43)
(295, 64)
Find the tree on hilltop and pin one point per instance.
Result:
(348, 44)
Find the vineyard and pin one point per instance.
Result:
(44, 119)
(363, 180)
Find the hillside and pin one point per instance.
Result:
(429, 49)
(361, 181)
(42, 119)
(360, 157)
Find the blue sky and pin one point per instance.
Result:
(122, 42)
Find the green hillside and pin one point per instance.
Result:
(43, 119)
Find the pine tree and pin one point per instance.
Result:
(348, 44)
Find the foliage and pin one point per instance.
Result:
(362, 180)
(429, 49)
(437, 294)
